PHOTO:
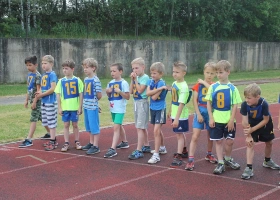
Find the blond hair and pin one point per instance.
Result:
(212, 65)
(91, 62)
(139, 61)
(252, 89)
(157, 66)
(68, 63)
(223, 64)
(48, 58)
(180, 65)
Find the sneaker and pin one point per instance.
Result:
(219, 169)
(247, 174)
(93, 150)
(65, 147)
(136, 155)
(189, 166)
(146, 149)
(122, 145)
(87, 147)
(47, 136)
(271, 164)
(47, 143)
(51, 146)
(232, 164)
(25, 143)
(110, 153)
(161, 151)
(154, 159)
(78, 146)
(177, 161)
(211, 158)
(185, 154)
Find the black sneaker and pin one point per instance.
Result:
(87, 147)
(177, 161)
(146, 149)
(25, 143)
(122, 145)
(219, 169)
(93, 150)
(110, 153)
(232, 164)
(47, 136)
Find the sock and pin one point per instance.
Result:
(221, 162)
(76, 141)
(29, 140)
(67, 143)
(156, 154)
(227, 158)
(250, 166)
(209, 153)
(266, 159)
(191, 159)
(162, 147)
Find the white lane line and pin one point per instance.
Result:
(266, 193)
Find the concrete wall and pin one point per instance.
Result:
(244, 56)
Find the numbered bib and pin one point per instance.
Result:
(114, 95)
(70, 88)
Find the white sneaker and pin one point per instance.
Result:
(154, 159)
(161, 151)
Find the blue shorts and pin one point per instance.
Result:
(220, 131)
(203, 111)
(183, 126)
(158, 116)
(92, 121)
(68, 116)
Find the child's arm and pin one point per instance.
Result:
(109, 91)
(33, 106)
(210, 113)
(48, 92)
(203, 83)
(230, 124)
(125, 95)
(179, 111)
(133, 77)
(81, 97)
(195, 104)
(249, 129)
(156, 92)
(99, 95)
(59, 109)
(169, 111)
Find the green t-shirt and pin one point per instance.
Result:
(143, 80)
(180, 94)
(69, 90)
(222, 97)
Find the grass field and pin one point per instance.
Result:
(15, 118)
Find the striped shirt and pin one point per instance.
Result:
(92, 87)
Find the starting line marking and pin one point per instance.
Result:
(34, 157)
(5, 149)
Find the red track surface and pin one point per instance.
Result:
(33, 173)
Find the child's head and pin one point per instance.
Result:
(223, 70)
(31, 63)
(90, 66)
(68, 67)
(252, 94)
(116, 70)
(209, 71)
(47, 63)
(179, 70)
(138, 66)
(157, 70)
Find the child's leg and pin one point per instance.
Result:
(158, 136)
(219, 150)
(122, 134)
(75, 130)
(116, 136)
(250, 154)
(146, 139)
(228, 147)
(96, 139)
(193, 144)
(52, 133)
(142, 135)
(181, 142)
(210, 142)
(91, 138)
(66, 131)
(31, 130)
(268, 149)
(161, 139)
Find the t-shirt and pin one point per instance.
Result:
(46, 80)
(117, 102)
(180, 94)
(33, 79)
(92, 87)
(255, 113)
(142, 80)
(223, 97)
(201, 93)
(69, 90)
(160, 103)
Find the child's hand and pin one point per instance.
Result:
(164, 87)
(99, 110)
(33, 106)
(133, 76)
(109, 90)
(39, 94)
(26, 104)
(230, 126)
(200, 81)
(80, 111)
(175, 123)
(117, 90)
(249, 141)
(211, 123)
(247, 130)
(200, 118)
(60, 112)
(168, 88)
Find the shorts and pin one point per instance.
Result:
(117, 118)
(158, 116)
(92, 121)
(203, 111)
(183, 126)
(49, 114)
(220, 131)
(265, 133)
(68, 116)
(141, 113)
(36, 113)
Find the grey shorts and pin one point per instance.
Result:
(141, 113)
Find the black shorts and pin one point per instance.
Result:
(220, 131)
(158, 116)
(265, 133)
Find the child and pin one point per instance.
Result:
(92, 94)
(258, 126)
(157, 91)
(201, 115)
(69, 94)
(49, 104)
(118, 93)
(222, 99)
(178, 112)
(138, 87)
(33, 85)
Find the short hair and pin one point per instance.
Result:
(91, 62)
(68, 63)
(157, 66)
(252, 89)
(31, 59)
(223, 64)
(180, 65)
(211, 65)
(139, 61)
(48, 58)
(118, 65)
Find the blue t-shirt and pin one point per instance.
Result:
(158, 104)
(46, 80)
(92, 86)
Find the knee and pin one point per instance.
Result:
(229, 142)
(268, 144)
